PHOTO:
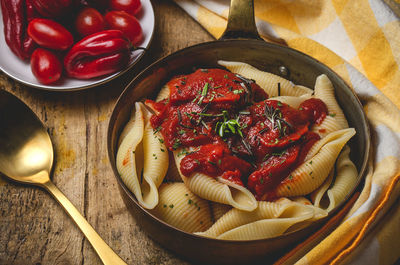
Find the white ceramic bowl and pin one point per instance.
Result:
(20, 70)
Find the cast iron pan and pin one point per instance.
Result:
(241, 43)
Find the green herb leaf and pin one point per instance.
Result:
(212, 163)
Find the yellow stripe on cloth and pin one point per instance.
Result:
(211, 22)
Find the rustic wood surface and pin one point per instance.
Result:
(34, 229)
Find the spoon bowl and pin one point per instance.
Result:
(26, 156)
(26, 153)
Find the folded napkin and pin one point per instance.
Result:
(359, 40)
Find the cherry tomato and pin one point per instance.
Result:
(128, 24)
(45, 65)
(49, 34)
(89, 21)
(129, 6)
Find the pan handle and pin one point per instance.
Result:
(241, 22)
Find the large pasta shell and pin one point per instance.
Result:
(335, 120)
(270, 219)
(220, 190)
(292, 101)
(182, 209)
(313, 172)
(267, 81)
(345, 179)
(142, 158)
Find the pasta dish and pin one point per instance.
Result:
(238, 153)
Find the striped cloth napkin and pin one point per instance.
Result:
(359, 40)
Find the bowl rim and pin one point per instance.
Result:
(155, 65)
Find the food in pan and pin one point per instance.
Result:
(258, 155)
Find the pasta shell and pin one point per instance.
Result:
(267, 81)
(293, 102)
(319, 196)
(270, 219)
(220, 190)
(345, 180)
(313, 172)
(335, 120)
(182, 209)
(140, 160)
(163, 94)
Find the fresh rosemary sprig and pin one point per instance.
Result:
(228, 126)
(203, 94)
(274, 115)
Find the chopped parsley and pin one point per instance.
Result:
(176, 144)
(237, 91)
(156, 130)
(212, 163)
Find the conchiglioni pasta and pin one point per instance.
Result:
(267, 81)
(341, 185)
(313, 172)
(268, 220)
(142, 159)
(197, 196)
(181, 208)
(335, 120)
(218, 190)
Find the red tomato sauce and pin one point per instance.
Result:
(234, 131)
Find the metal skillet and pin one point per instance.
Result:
(240, 42)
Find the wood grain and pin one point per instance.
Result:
(33, 228)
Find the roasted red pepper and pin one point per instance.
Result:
(101, 53)
(16, 15)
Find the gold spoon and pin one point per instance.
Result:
(26, 156)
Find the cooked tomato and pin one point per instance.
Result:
(233, 131)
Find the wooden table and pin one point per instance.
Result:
(34, 229)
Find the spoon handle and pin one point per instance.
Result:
(106, 254)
